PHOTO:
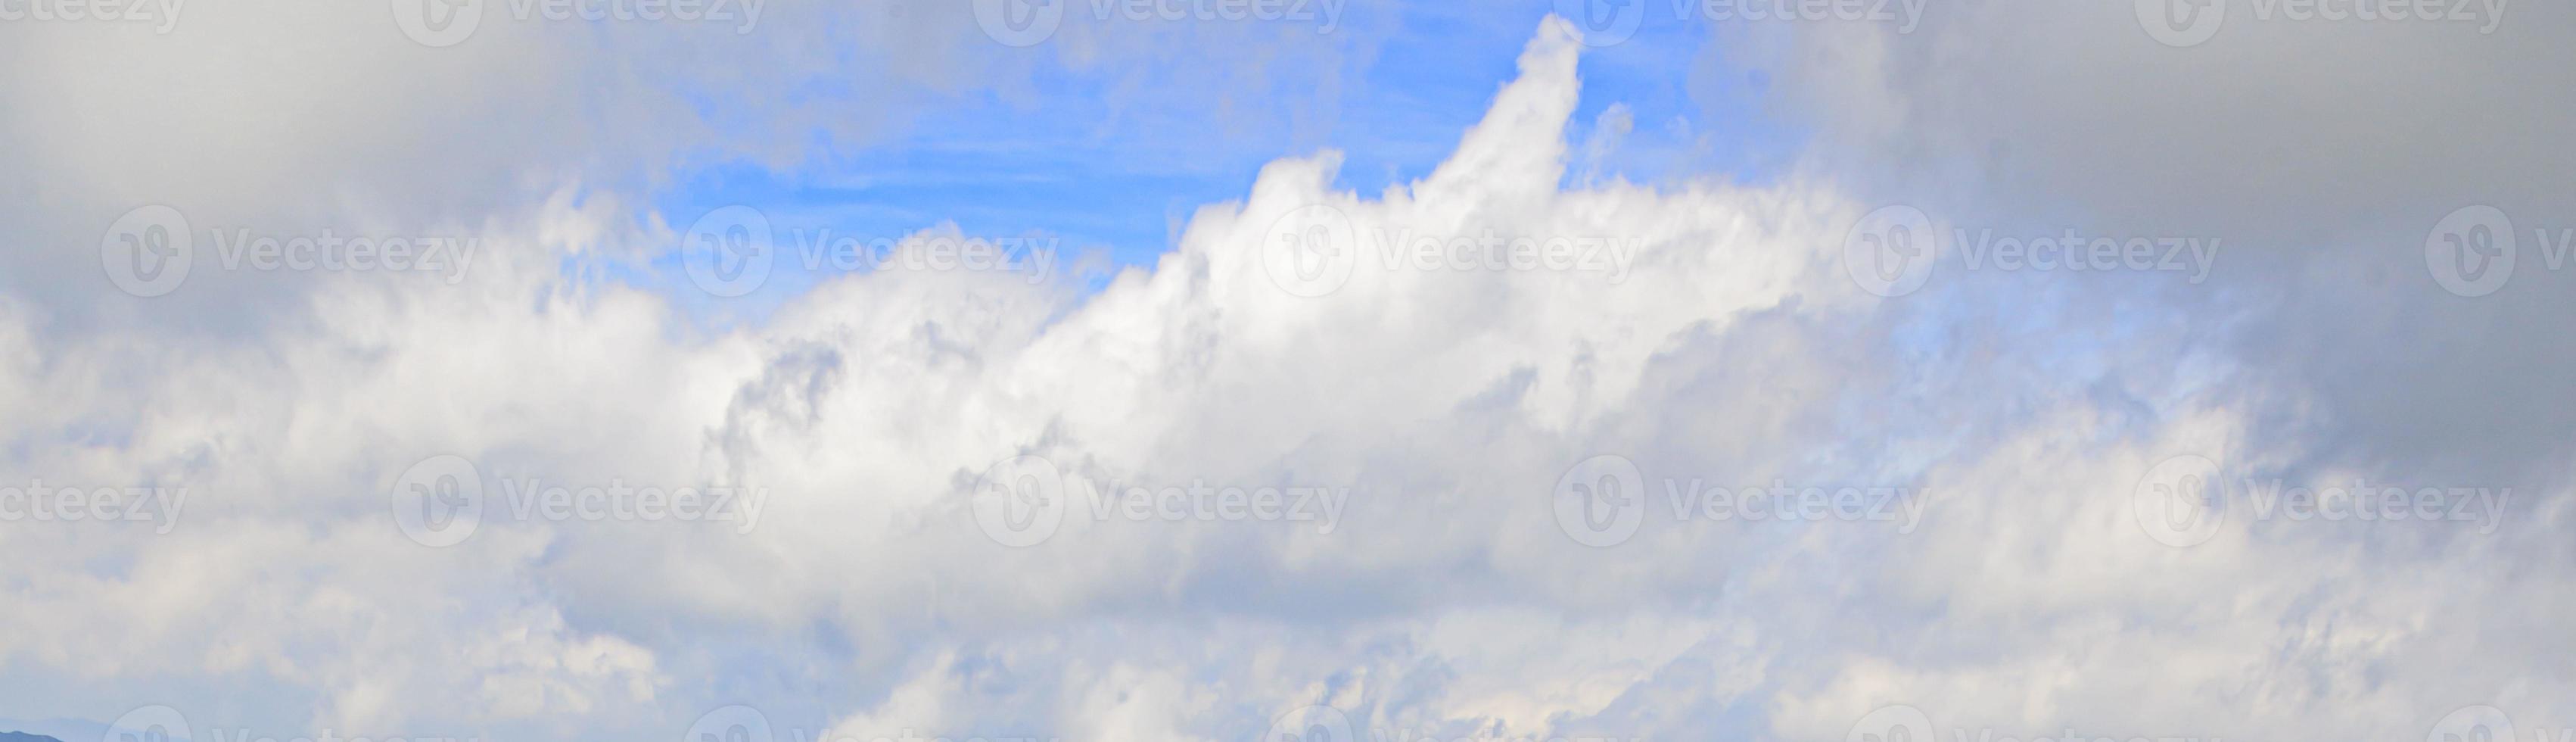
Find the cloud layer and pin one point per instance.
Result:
(1498, 408)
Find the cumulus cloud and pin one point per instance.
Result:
(1419, 375)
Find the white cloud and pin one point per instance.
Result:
(1448, 601)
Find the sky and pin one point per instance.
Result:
(1086, 369)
